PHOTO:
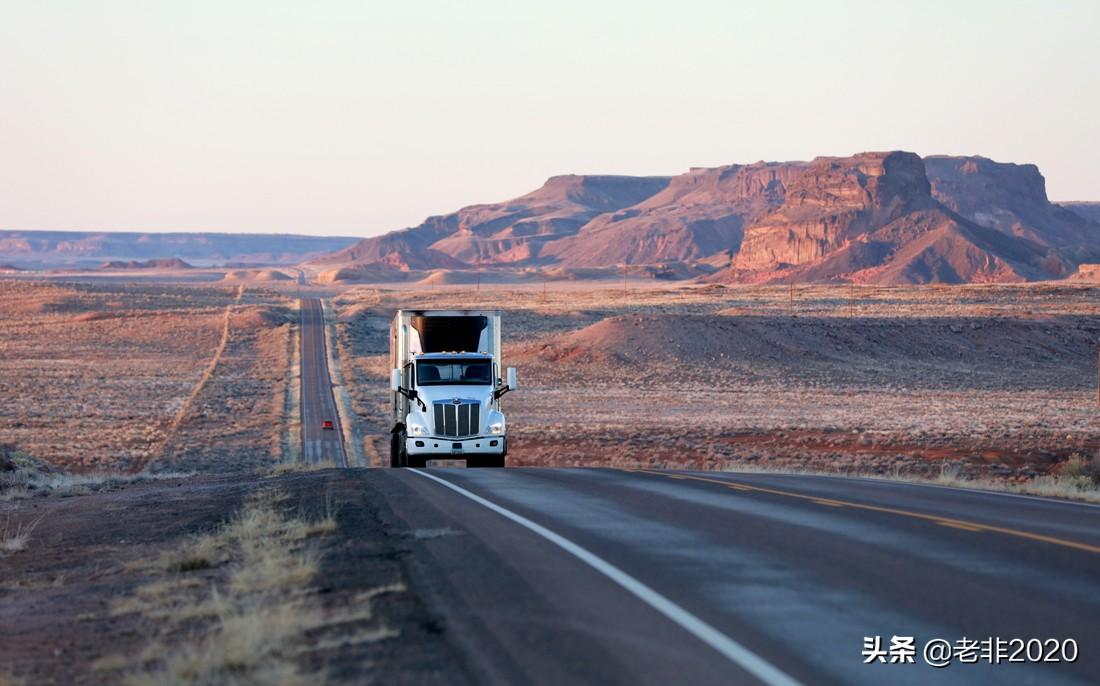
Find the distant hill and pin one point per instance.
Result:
(47, 249)
(695, 216)
(1011, 198)
(1086, 210)
(512, 232)
(873, 218)
(882, 217)
(169, 263)
(258, 275)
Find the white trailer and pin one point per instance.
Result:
(447, 382)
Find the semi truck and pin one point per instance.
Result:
(447, 383)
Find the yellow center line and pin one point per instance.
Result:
(945, 521)
(959, 526)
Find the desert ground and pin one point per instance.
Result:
(282, 578)
(156, 525)
(975, 380)
(982, 380)
(123, 377)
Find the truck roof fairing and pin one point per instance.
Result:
(449, 313)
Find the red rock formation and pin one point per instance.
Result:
(876, 217)
(835, 201)
(699, 214)
(872, 218)
(1086, 210)
(512, 231)
(1011, 198)
(160, 263)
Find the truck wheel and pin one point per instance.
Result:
(395, 451)
(403, 453)
(488, 461)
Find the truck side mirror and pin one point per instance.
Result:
(395, 379)
(511, 374)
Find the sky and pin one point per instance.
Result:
(355, 118)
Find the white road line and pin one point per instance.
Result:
(729, 648)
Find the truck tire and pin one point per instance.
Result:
(491, 461)
(402, 451)
(395, 450)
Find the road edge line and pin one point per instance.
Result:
(724, 645)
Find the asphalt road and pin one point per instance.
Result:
(317, 402)
(568, 576)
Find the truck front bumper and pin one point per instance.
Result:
(455, 448)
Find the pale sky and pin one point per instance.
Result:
(341, 117)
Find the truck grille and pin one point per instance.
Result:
(463, 419)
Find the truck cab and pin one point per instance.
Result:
(447, 388)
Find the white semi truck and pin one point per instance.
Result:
(447, 384)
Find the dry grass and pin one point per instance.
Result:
(1083, 471)
(291, 438)
(23, 477)
(81, 484)
(1078, 478)
(258, 616)
(294, 467)
(15, 537)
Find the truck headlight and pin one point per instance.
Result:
(496, 428)
(415, 429)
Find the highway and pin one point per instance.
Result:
(566, 576)
(317, 402)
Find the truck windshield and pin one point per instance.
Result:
(453, 373)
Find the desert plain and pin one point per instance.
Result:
(978, 380)
(158, 525)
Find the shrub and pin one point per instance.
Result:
(8, 454)
(1083, 471)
